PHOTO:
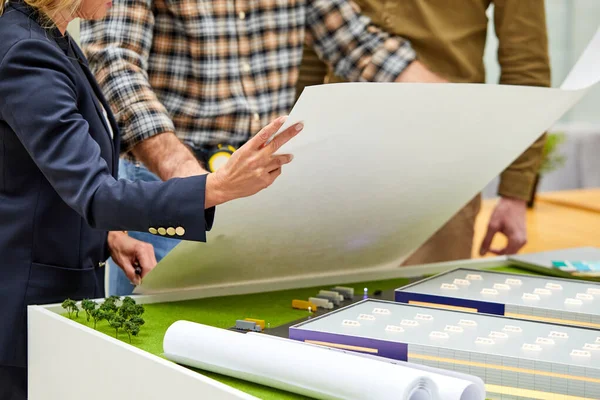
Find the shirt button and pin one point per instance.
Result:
(180, 231)
(246, 67)
(162, 231)
(152, 231)
(171, 231)
(256, 117)
(242, 15)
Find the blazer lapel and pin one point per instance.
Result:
(115, 128)
(99, 99)
(92, 81)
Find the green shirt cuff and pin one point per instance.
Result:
(517, 185)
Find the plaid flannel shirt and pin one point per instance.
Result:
(217, 71)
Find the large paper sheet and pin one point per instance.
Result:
(376, 171)
(305, 369)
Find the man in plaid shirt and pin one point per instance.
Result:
(185, 76)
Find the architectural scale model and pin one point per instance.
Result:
(515, 358)
(555, 300)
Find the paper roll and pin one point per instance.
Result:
(452, 385)
(298, 367)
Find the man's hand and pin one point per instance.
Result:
(127, 251)
(508, 218)
(416, 72)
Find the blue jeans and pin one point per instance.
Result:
(118, 283)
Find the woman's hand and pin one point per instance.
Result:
(253, 167)
(128, 253)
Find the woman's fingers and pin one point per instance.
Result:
(277, 161)
(284, 137)
(274, 174)
(259, 140)
(253, 166)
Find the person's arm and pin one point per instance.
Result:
(524, 60)
(358, 51)
(40, 105)
(118, 48)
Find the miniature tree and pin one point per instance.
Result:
(69, 305)
(139, 321)
(128, 300)
(106, 315)
(137, 310)
(110, 314)
(113, 299)
(135, 330)
(97, 315)
(131, 328)
(88, 306)
(116, 322)
(109, 305)
(126, 310)
(76, 309)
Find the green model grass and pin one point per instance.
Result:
(222, 312)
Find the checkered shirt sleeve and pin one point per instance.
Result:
(118, 49)
(357, 50)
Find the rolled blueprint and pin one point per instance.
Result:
(301, 368)
(451, 384)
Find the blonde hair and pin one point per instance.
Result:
(49, 9)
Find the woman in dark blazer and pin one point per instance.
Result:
(62, 211)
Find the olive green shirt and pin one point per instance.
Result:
(449, 37)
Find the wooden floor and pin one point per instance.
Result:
(559, 220)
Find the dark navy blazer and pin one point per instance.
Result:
(58, 191)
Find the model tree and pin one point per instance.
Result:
(131, 328)
(110, 305)
(69, 305)
(116, 322)
(137, 310)
(88, 306)
(106, 314)
(127, 310)
(139, 321)
(128, 300)
(114, 299)
(97, 315)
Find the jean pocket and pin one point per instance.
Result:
(52, 284)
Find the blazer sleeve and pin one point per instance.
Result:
(39, 102)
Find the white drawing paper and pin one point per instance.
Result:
(377, 170)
